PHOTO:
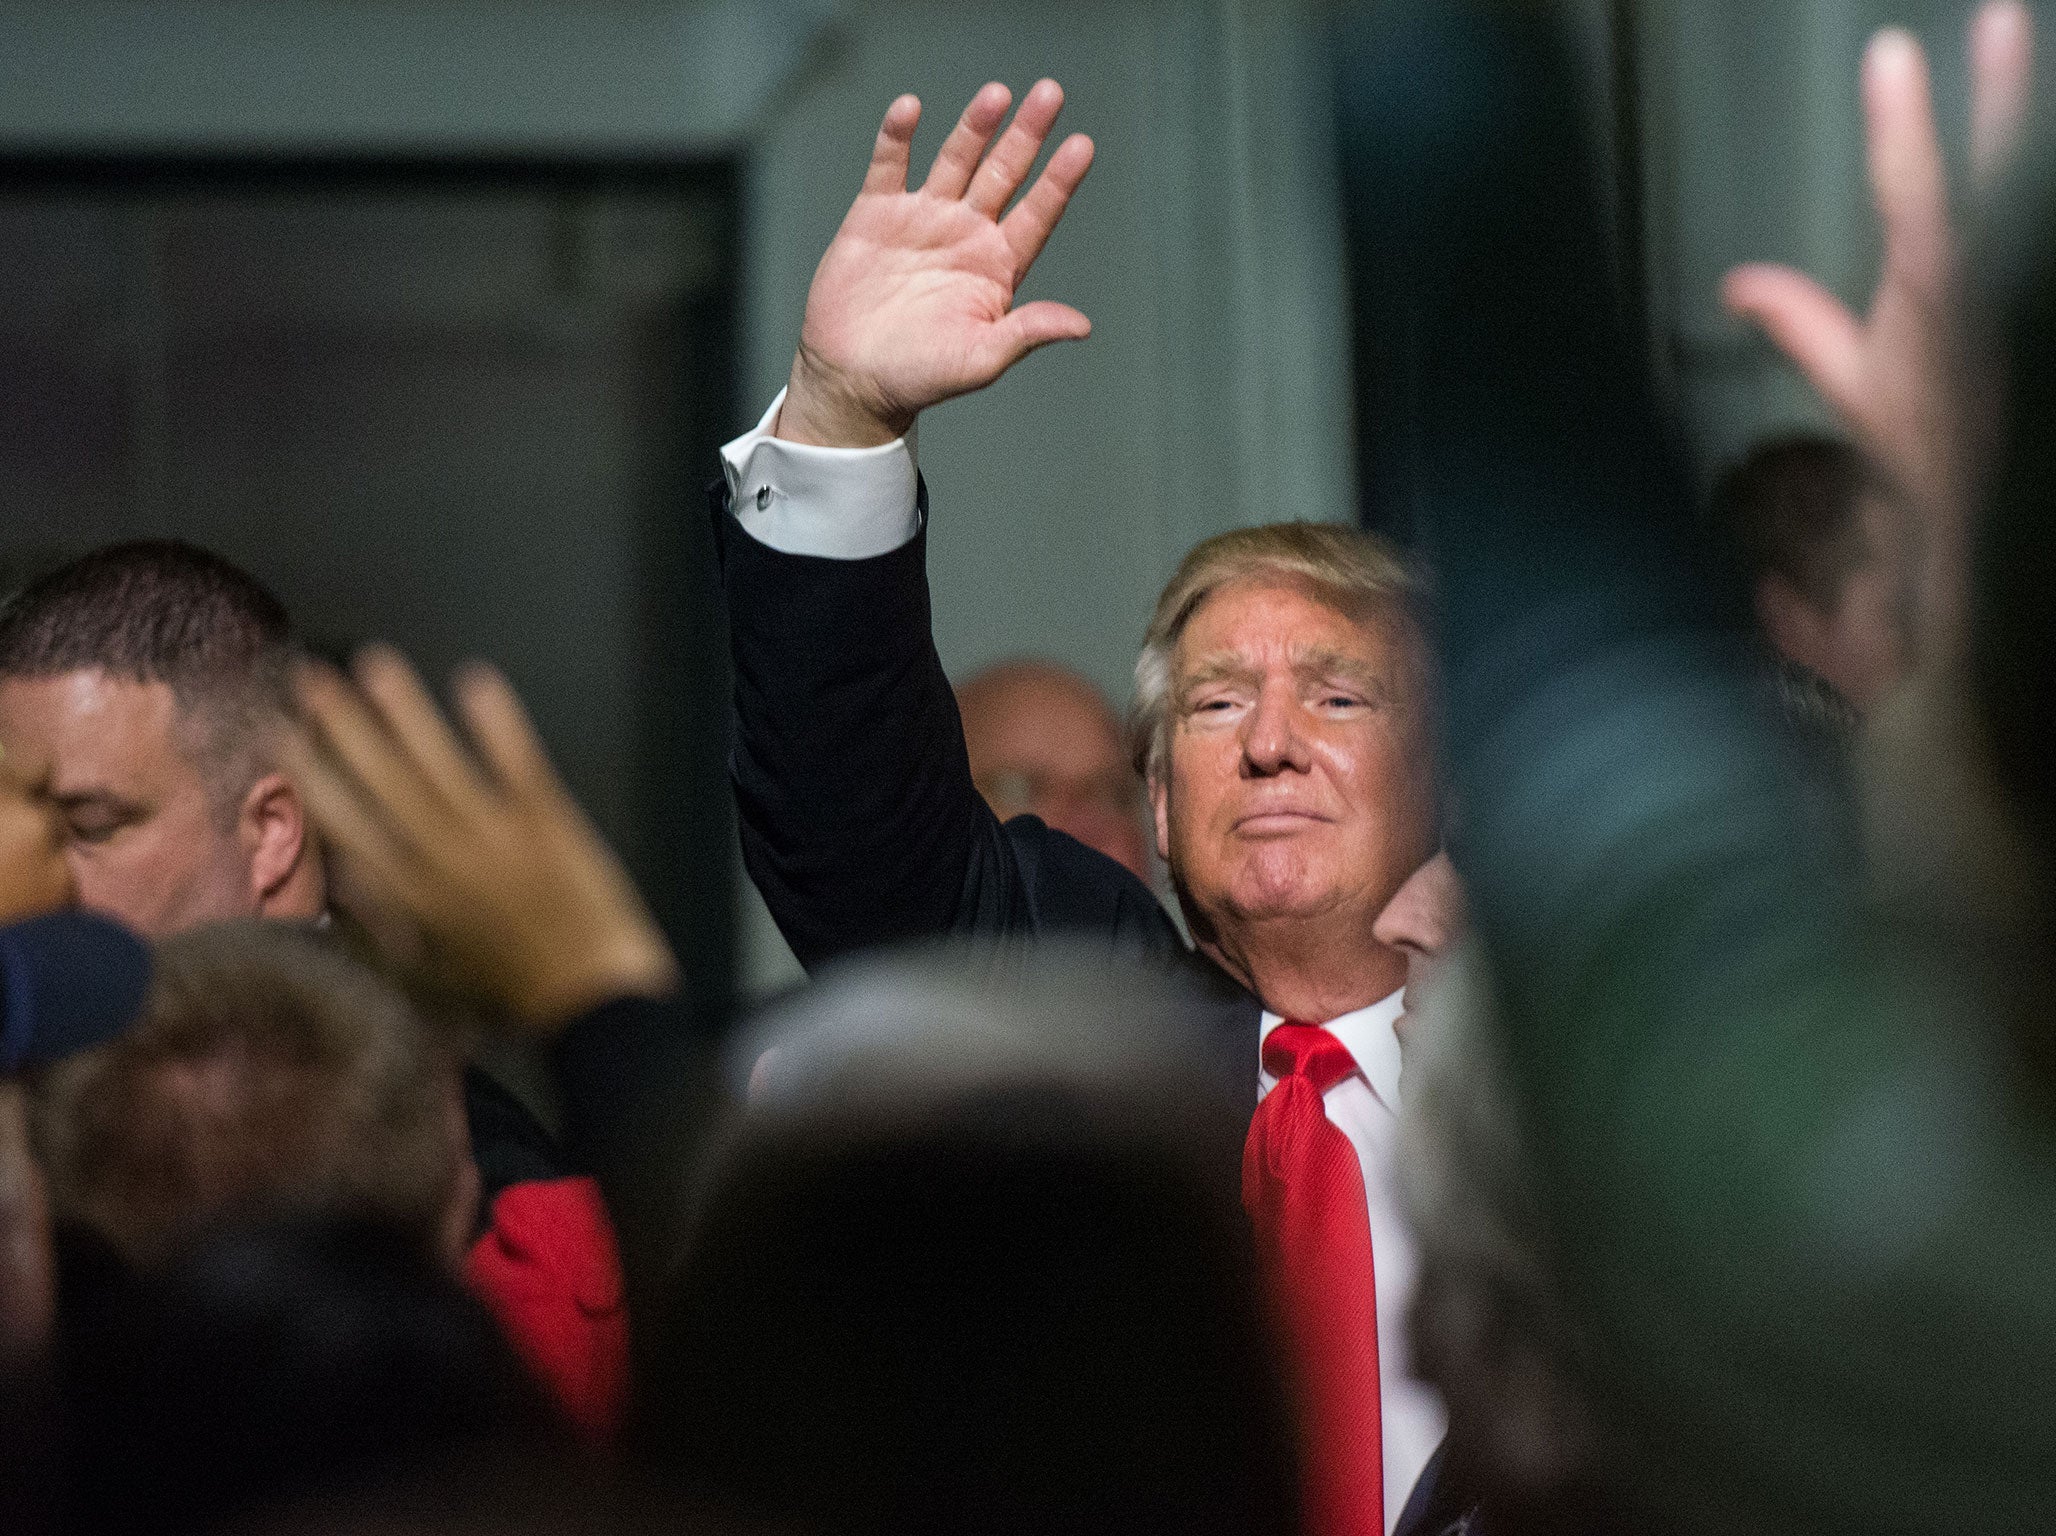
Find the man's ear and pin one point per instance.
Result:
(1800, 631)
(273, 829)
(1160, 813)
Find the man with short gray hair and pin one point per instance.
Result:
(143, 687)
(1285, 736)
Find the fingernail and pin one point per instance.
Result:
(1893, 48)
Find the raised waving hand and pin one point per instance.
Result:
(1903, 379)
(914, 301)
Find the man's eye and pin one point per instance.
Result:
(92, 826)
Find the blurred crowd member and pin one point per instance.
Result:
(1819, 544)
(1283, 731)
(272, 1076)
(273, 1362)
(1044, 742)
(971, 1261)
(146, 684)
(1798, 1191)
(1491, 1325)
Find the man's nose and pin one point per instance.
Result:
(1273, 740)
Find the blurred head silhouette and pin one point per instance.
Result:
(973, 1260)
(1820, 544)
(269, 1075)
(272, 1361)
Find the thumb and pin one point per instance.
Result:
(1039, 324)
(1810, 326)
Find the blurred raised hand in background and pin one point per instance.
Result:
(1905, 379)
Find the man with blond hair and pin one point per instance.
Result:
(1282, 727)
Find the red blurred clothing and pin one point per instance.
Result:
(549, 1270)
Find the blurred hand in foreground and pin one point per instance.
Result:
(914, 301)
(479, 846)
(1903, 379)
(34, 875)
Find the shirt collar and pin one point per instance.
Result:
(1368, 1036)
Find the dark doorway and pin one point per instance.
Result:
(465, 407)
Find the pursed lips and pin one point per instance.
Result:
(1279, 820)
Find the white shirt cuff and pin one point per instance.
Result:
(839, 503)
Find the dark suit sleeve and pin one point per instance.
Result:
(1795, 1201)
(860, 823)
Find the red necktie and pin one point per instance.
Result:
(1304, 1190)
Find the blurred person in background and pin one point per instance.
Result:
(1043, 741)
(148, 684)
(970, 1260)
(1820, 546)
(1283, 729)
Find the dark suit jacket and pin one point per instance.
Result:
(860, 823)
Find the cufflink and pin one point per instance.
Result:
(763, 497)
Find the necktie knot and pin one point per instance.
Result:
(1294, 1049)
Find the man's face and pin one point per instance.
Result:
(1859, 643)
(1044, 743)
(145, 842)
(1297, 783)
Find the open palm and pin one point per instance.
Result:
(914, 301)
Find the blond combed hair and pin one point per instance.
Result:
(1359, 571)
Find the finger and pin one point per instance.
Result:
(363, 749)
(2002, 49)
(506, 736)
(894, 150)
(957, 161)
(417, 725)
(1000, 176)
(1810, 326)
(380, 860)
(1029, 226)
(1907, 179)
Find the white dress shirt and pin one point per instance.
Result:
(1366, 1110)
(857, 503)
